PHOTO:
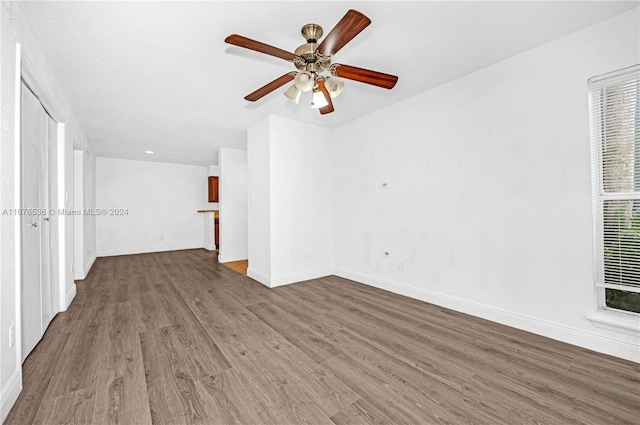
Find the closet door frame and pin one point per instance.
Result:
(27, 70)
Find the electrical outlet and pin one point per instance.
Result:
(12, 335)
(401, 265)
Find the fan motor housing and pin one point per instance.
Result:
(308, 52)
(312, 62)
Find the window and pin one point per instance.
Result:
(615, 129)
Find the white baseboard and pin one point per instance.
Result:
(210, 247)
(70, 296)
(262, 278)
(88, 265)
(276, 281)
(534, 325)
(300, 277)
(10, 392)
(78, 274)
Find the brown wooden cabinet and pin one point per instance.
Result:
(213, 189)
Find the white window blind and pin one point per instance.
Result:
(615, 120)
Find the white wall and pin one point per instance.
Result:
(78, 219)
(14, 30)
(66, 201)
(162, 202)
(84, 199)
(89, 230)
(213, 170)
(233, 205)
(259, 210)
(299, 210)
(488, 202)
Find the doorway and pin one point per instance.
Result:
(38, 299)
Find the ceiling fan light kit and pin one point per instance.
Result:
(334, 86)
(313, 59)
(305, 81)
(318, 100)
(293, 94)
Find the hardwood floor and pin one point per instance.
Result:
(176, 338)
(238, 266)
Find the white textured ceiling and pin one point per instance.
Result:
(158, 75)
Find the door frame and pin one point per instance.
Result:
(26, 70)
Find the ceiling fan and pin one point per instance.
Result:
(312, 59)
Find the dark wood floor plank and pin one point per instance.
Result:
(151, 314)
(307, 313)
(170, 389)
(361, 412)
(199, 355)
(227, 400)
(122, 330)
(411, 345)
(76, 407)
(141, 281)
(308, 295)
(397, 408)
(472, 407)
(285, 385)
(176, 338)
(266, 399)
(299, 376)
(37, 369)
(312, 343)
(80, 361)
(441, 401)
(548, 377)
(627, 376)
(259, 348)
(121, 393)
(247, 291)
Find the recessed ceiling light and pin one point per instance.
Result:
(148, 151)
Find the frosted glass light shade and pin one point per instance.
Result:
(304, 81)
(334, 86)
(293, 94)
(318, 100)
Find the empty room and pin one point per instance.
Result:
(320, 212)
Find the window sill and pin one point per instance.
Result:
(627, 323)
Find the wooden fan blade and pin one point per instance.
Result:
(365, 76)
(323, 88)
(269, 87)
(259, 46)
(349, 26)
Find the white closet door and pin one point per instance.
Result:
(46, 220)
(34, 131)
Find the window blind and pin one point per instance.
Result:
(615, 119)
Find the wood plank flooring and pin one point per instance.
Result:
(176, 338)
(238, 266)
